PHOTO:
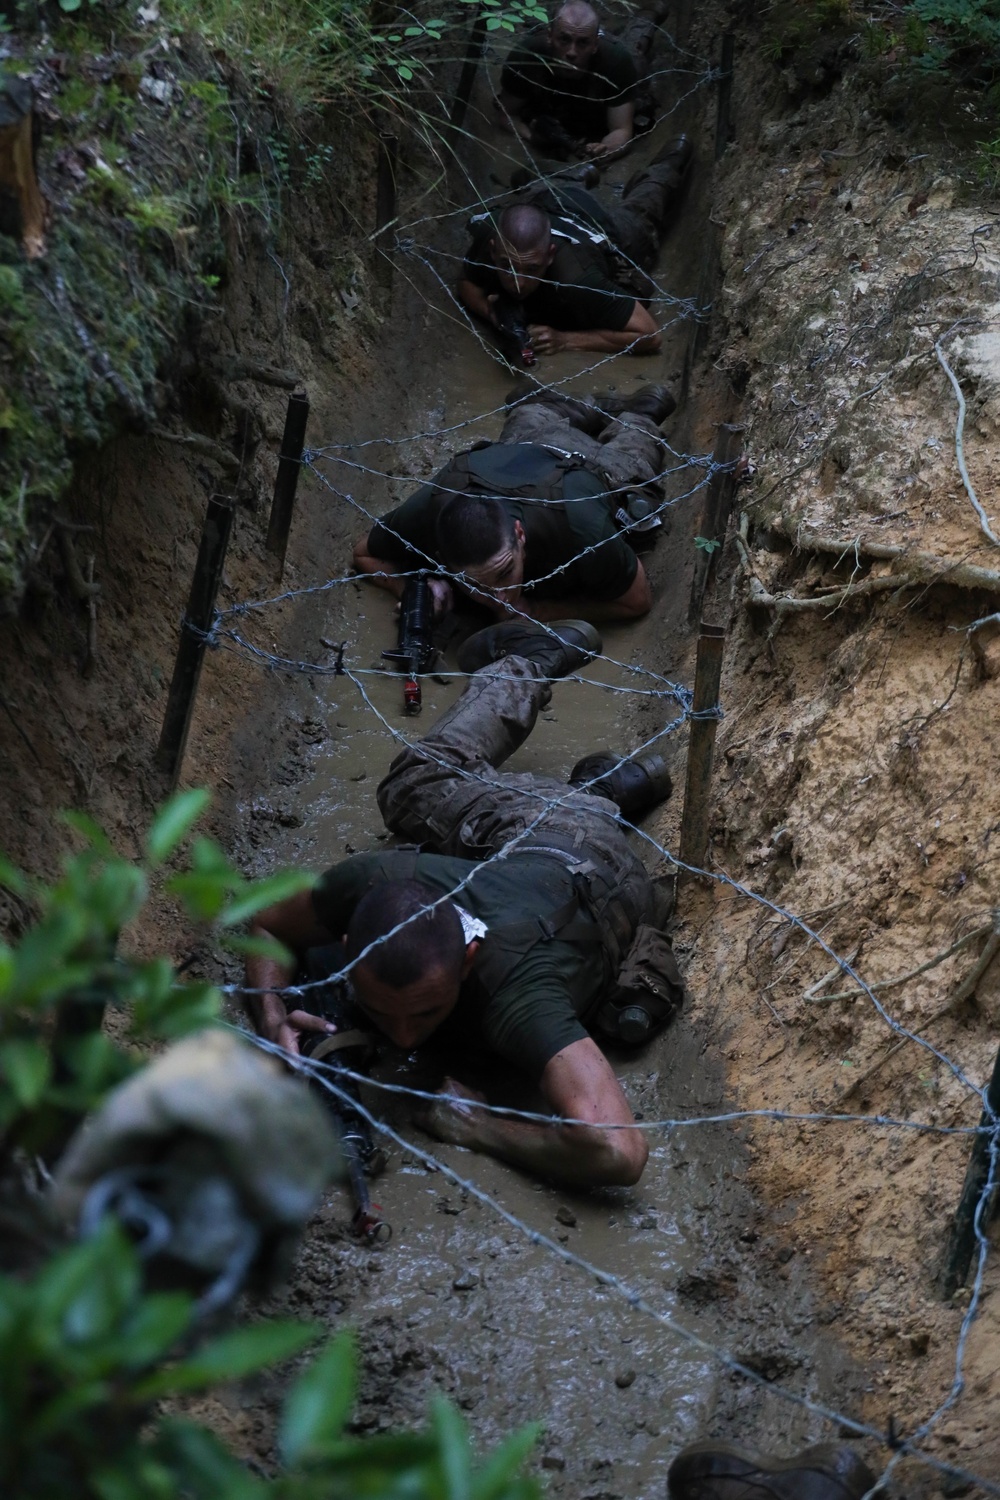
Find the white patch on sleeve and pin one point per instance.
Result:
(472, 928)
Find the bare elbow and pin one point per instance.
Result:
(360, 555)
(650, 344)
(629, 1157)
(623, 1157)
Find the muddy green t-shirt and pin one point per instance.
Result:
(578, 97)
(536, 1011)
(576, 293)
(572, 546)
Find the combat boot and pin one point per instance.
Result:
(556, 649)
(635, 785)
(654, 401)
(712, 1471)
(669, 166)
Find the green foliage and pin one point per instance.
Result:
(707, 544)
(86, 1351)
(145, 189)
(66, 969)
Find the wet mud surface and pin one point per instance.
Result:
(461, 1301)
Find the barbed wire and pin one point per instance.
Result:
(902, 1446)
(669, 1123)
(548, 804)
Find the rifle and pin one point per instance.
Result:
(414, 644)
(512, 325)
(347, 1049)
(553, 139)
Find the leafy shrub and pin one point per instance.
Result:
(86, 1351)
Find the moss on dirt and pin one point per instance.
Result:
(143, 160)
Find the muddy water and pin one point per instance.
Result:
(460, 1301)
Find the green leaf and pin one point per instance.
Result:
(404, 72)
(495, 1477)
(204, 1468)
(203, 896)
(11, 878)
(453, 1445)
(27, 1067)
(91, 831)
(82, 1294)
(174, 822)
(493, 23)
(154, 1328)
(266, 892)
(319, 1403)
(232, 1356)
(7, 966)
(257, 947)
(188, 1007)
(707, 544)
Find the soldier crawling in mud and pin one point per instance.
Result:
(573, 265)
(568, 89)
(539, 522)
(530, 924)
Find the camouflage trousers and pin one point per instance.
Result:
(447, 790)
(630, 449)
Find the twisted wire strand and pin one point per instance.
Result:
(905, 1447)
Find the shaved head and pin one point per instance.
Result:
(575, 34)
(579, 15)
(523, 229)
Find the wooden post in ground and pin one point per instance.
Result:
(715, 513)
(701, 746)
(973, 1204)
(22, 209)
(385, 204)
(197, 621)
(467, 79)
(287, 480)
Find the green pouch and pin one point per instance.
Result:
(649, 981)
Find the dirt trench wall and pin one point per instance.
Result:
(81, 733)
(857, 770)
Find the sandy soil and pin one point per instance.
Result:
(852, 790)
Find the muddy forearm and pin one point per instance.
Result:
(572, 1155)
(378, 571)
(608, 341)
(266, 1010)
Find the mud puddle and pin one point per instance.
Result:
(460, 1301)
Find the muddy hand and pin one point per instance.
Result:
(442, 595)
(452, 1120)
(546, 340)
(295, 1023)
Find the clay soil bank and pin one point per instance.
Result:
(855, 787)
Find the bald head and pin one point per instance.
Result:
(579, 15)
(574, 34)
(522, 249)
(523, 230)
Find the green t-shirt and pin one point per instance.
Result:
(578, 97)
(576, 294)
(558, 534)
(536, 1010)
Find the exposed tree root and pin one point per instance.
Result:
(914, 570)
